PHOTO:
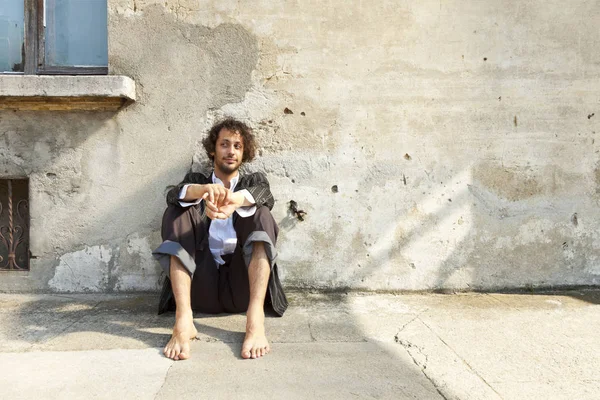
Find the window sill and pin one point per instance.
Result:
(90, 93)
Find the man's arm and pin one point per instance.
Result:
(216, 194)
(198, 187)
(173, 193)
(235, 201)
(254, 191)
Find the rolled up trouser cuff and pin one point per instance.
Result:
(170, 248)
(259, 236)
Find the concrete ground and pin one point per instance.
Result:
(416, 346)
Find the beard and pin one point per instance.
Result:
(227, 168)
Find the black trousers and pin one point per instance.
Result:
(224, 288)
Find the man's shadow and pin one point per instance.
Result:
(63, 322)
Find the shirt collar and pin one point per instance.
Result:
(234, 181)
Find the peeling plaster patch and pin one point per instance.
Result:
(138, 269)
(139, 245)
(200, 68)
(82, 271)
(513, 184)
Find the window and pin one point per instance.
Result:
(53, 37)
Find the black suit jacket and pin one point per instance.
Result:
(258, 186)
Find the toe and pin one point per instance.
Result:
(184, 355)
(246, 351)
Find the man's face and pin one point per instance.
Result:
(229, 151)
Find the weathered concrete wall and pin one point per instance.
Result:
(446, 144)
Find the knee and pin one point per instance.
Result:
(264, 214)
(261, 215)
(262, 220)
(174, 214)
(179, 220)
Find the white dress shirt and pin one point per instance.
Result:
(221, 234)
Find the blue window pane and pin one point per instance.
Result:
(11, 35)
(76, 33)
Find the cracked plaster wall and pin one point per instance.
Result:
(435, 144)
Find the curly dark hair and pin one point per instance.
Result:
(233, 125)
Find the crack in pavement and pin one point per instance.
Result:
(421, 359)
(164, 381)
(406, 324)
(407, 345)
(460, 358)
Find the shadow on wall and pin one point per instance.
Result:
(489, 228)
(523, 231)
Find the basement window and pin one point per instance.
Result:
(14, 225)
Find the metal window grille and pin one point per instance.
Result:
(14, 225)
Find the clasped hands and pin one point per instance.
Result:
(221, 202)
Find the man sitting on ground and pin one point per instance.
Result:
(218, 247)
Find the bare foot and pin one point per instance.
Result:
(184, 330)
(255, 343)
